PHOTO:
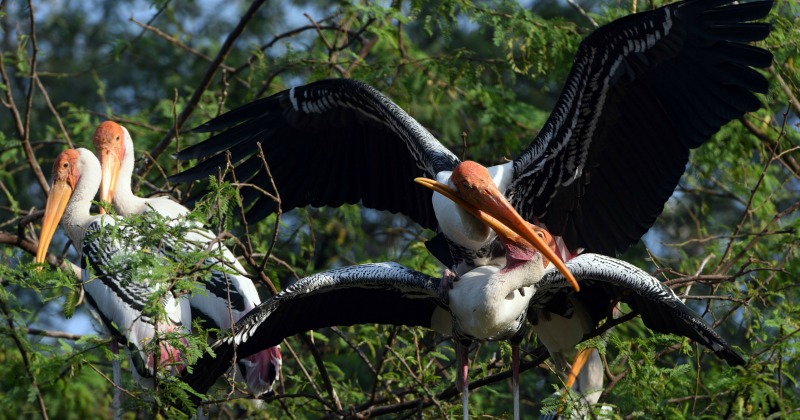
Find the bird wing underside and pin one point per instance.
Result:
(383, 293)
(605, 281)
(643, 91)
(327, 143)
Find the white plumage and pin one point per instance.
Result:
(228, 295)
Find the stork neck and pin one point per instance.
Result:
(125, 202)
(457, 224)
(517, 274)
(502, 175)
(77, 214)
(460, 227)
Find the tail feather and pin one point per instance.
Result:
(262, 370)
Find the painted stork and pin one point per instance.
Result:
(561, 317)
(117, 290)
(317, 301)
(486, 303)
(226, 295)
(642, 92)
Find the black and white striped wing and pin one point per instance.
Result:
(603, 277)
(115, 280)
(227, 291)
(642, 92)
(382, 293)
(326, 143)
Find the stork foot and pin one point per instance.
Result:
(448, 279)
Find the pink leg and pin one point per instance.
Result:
(463, 360)
(116, 370)
(515, 378)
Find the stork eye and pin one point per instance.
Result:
(117, 138)
(66, 164)
(541, 234)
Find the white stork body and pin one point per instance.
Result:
(227, 296)
(117, 291)
(488, 309)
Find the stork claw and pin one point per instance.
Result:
(446, 285)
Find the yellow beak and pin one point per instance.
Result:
(57, 201)
(495, 210)
(111, 164)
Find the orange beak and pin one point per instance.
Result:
(57, 201)
(479, 196)
(110, 163)
(580, 361)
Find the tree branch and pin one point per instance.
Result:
(25, 360)
(205, 82)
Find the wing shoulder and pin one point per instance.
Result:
(324, 144)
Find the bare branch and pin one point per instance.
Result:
(205, 82)
(25, 359)
(54, 111)
(793, 102)
(53, 334)
(174, 41)
(583, 13)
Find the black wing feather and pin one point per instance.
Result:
(605, 280)
(643, 91)
(383, 293)
(332, 130)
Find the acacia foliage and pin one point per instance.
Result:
(482, 77)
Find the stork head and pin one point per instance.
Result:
(109, 142)
(66, 173)
(476, 192)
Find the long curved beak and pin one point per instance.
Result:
(580, 361)
(57, 201)
(495, 210)
(110, 163)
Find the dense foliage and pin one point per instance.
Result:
(482, 76)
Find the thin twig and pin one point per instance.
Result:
(323, 371)
(25, 360)
(331, 50)
(176, 42)
(429, 395)
(747, 211)
(25, 133)
(583, 13)
(355, 348)
(205, 82)
(278, 206)
(53, 334)
(111, 381)
(308, 376)
(539, 355)
(793, 102)
(54, 111)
